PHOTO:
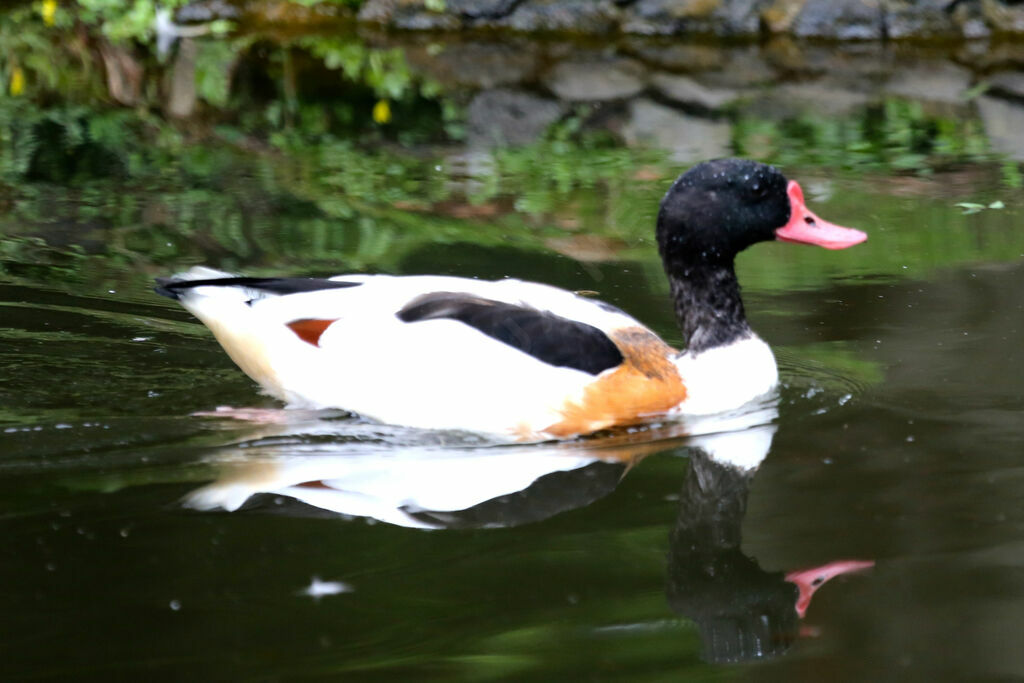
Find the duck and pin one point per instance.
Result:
(524, 361)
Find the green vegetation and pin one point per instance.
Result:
(122, 20)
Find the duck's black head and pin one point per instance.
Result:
(719, 208)
(711, 213)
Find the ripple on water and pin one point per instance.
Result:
(820, 378)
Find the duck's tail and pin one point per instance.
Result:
(180, 285)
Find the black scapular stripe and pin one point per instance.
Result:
(170, 287)
(547, 337)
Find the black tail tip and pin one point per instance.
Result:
(164, 288)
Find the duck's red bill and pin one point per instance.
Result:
(804, 227)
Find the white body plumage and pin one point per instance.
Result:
(440, 373)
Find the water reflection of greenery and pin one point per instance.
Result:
(894, 135)
(334, 205)
(285, 167)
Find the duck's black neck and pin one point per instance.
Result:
(707, 304)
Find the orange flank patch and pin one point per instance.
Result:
(309, 329)
(644, 386)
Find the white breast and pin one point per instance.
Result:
(725, 377)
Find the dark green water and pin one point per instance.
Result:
(898, 442)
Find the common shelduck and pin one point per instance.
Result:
(520, 359)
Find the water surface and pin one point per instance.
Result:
(897, 442)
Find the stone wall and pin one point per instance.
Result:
(684, 97)
(815, 19)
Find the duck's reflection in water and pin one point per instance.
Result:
(399, 477)
(427, 489)
(742, 611)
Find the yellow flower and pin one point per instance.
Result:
(49, 11)
(382, 112)
(17, 81)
